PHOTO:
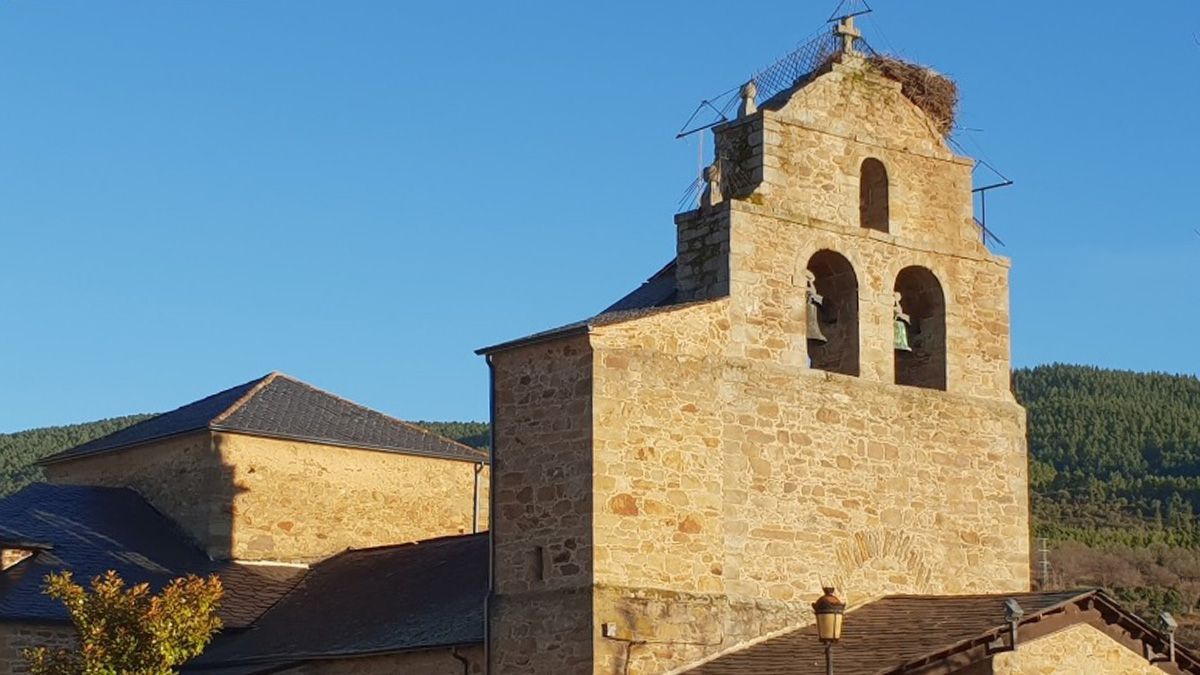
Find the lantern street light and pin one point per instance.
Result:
(829, 611)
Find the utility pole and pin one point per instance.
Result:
(1043, 564)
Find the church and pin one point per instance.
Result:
(793, 450)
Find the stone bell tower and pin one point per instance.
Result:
(817, 389)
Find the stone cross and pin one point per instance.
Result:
(849, 33)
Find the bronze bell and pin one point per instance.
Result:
(813, 310)
(903, 323)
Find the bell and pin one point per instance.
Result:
(814, 323)
(902, 322)
(901, 339)
(813, 304)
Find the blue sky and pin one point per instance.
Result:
(360, 193)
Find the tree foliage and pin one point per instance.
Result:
(474, 434)
(19, 451)
(1115, 477)
(1115, 456)
(125, 630)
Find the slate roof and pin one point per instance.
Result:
(278, 406)
(657, 294)
(658, 291)
(90, 530)
(901, 633)
(372, 601)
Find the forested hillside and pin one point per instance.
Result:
(19, 451)
(1115, 472)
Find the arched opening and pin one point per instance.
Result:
(873, 211)
(831, 302)
(920, 329)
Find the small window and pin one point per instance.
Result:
(831, 303)
(873, 196)
(920, 329)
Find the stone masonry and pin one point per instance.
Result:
(17, 637)
(253, 498)
(1079, 650)
(671, 485)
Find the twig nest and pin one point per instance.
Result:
(933, 92)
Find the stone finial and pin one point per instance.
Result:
(849, 33)
(712, 177)
(749, 96)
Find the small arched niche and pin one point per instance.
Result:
(831, 303)
(920, 316)
(873, 205)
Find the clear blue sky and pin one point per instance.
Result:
(360, 193)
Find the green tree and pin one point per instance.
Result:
(126, 630)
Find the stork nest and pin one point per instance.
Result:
(933, 92)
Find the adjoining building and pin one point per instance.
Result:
(304, 504)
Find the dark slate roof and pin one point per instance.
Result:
(901, 633)
(90, 530)
(194, 416)
(658, 291)
(658, 294)
(371, 601)
(279, 406)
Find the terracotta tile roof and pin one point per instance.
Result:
(90, 530)
(899, 633)
(373, 601)
(279, 406)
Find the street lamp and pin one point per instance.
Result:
(829, 611)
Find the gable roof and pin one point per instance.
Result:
(903, 633)
(374, 601)
(90, 530)
(278, 406)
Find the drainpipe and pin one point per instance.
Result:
(475, 516)
(487, 602)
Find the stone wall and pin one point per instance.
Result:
(1079, 650)
(727, 488)
(730, 478)
(257, 498)
(183, 477)
(433, 662)
(540, 618)
(17, 637)
(11, 557)
(300, 502)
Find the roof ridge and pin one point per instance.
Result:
(409, 425)
(258, 386)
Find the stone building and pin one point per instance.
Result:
(814, 391)
(305, 504)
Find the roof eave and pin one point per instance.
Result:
(61, 457)
(538, 338)
(482, 458)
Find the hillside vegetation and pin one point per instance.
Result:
(19, 451)
(1115, 472)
